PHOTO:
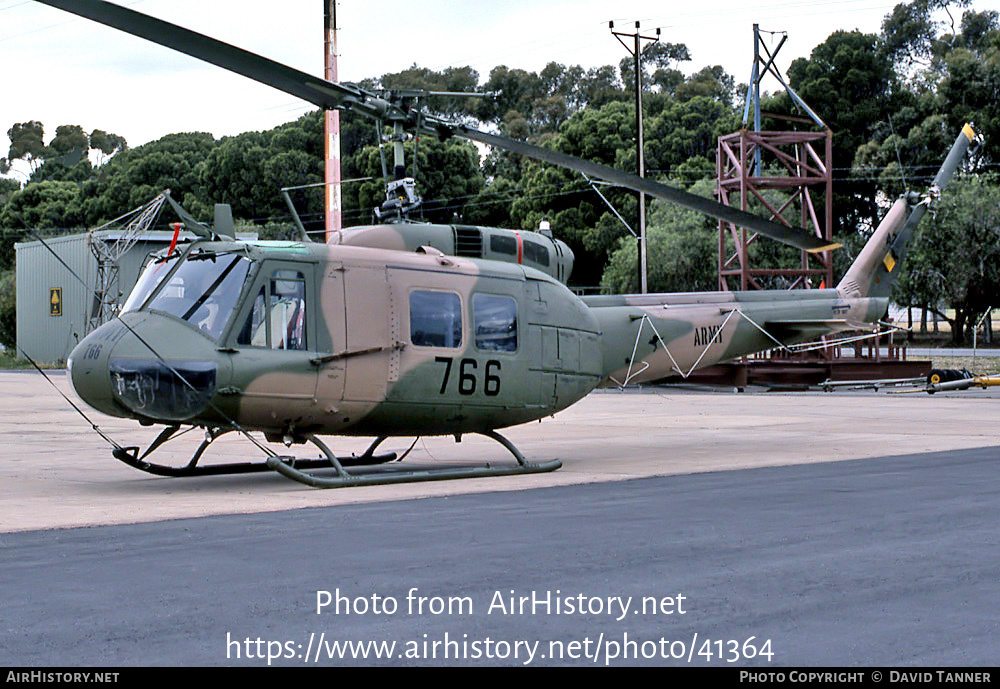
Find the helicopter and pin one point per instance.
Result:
(299, 339)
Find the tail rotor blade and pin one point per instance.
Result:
(941, 179)
(955, 156)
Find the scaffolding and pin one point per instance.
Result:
(804, 158)
(788, 173)
(793, 167)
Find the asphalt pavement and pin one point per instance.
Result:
(884, 561)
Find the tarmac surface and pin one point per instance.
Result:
(744, 504)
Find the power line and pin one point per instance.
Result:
(50, 26)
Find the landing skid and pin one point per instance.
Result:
(368, 473)
(130, 456)
(346, 479)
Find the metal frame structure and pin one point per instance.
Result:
(107, 292)
(781, 171)
(805, 160)
(797, 166)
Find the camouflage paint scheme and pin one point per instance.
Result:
(539, 250)
(362, 374)
(358, 370)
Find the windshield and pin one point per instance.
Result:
(150, 279)
(203, 290)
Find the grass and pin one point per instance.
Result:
(9, 362)
(944, 327)
(984, 365)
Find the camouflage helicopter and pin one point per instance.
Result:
(298, 339)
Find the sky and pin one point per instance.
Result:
(60, 69)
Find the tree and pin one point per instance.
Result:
(134, 176)
(605, 135)
(7, 189)
(659, 67)
(665, 59)
(955, 260)
(26, 142)
(968, 90)
(560, 80)
(450, 79)
(63, 170)
(708, 82)
(8, 310)
(41, 205)
(70, 144)
(512, 89)
(683, 129)
(107, 144)
(681, 251)
(598, 87)
(47, 205)
(910, 31)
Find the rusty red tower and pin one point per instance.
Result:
(786, 173)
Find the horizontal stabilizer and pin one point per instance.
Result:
(787, 330)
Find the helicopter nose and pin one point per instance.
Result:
(88, 368)
(151, 369)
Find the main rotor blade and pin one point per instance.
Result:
(310, 88)
(327, 94)
(796, 237)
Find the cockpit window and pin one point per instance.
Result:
(150, 279)
(204, 290)
(278, 317)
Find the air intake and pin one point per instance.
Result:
(468, 241)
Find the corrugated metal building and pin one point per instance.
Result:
(53, 307)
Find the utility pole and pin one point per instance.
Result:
(636, 53)
(331, 124)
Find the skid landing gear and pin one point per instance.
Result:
(378, 477)
(130, 456)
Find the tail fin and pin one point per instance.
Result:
(875, 270)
